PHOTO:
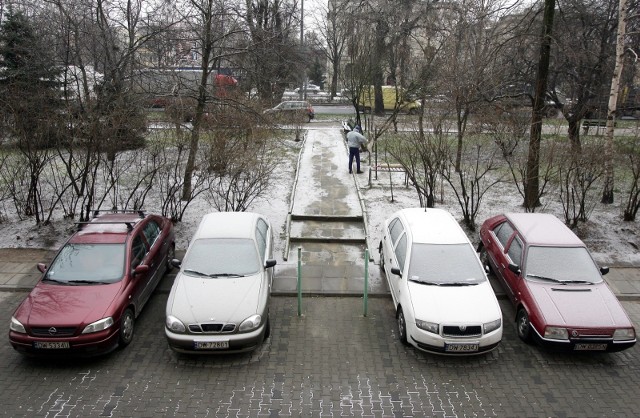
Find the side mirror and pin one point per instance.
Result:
(270, 263)
(176, 263)
(604, 270)
(515, 268)
(141, 269)
(42, 267)
(396, 271)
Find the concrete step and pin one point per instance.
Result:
(349, 231)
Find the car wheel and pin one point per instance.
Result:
(402, 327)
(412, 111)
(171, 254)
(267, 331)
(523, 325)
(127, 324)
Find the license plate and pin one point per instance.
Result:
(51, 345)
(591, 347)
(460, 348)
(211, 345)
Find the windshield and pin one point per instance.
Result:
(562, 264)
(222, 257)
(88, 263)
(445, 264)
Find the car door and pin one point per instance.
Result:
(507, 250)
(158, 248)
(391, 238)
(139, 282)
(265, 245)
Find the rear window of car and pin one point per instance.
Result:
(99, 263)
(444, 264)
(211, 256)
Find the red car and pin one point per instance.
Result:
(561, 300)
(88, 298)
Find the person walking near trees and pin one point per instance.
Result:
(355, 140)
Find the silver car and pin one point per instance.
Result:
(219, 302)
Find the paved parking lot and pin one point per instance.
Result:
(332, 361)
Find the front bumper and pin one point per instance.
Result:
(437, 344)
(86, 345)
(607, 345)
(238, 343)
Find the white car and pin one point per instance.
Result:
(444, 302)
(219, 302)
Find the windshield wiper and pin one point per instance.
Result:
(425, 283)
(85, 282)
(537, 276)
(49, 279)
(196, 272)
(459, 284)
(225, 275)
(575, 282)
(212, 275)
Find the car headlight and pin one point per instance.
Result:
(427, 326)
(492, 326)
(556, 333)
(100, 325)
(624, 334)
(16, 326)
(250, 323)
(174, 324)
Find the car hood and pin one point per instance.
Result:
(197, 299)
(579, 306)
(454, 304)
(65, 305)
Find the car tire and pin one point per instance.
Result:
(127, 327)
(412, 111)
(402, 327)
(171, 254)
(267, 331)
(523, 326)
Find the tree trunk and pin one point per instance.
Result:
(531, 198)
(607, 192)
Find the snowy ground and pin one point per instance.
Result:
(612, 241)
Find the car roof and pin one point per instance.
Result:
(108, 228)
(227, 225)
(543, 229)
(433, 226)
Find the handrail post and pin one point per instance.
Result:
(299, 282)
(366, 280)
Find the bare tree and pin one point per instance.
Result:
(607, 192)
(477, 174)
(580, 178)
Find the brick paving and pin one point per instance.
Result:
(332, 361)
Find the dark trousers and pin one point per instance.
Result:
(354, 152)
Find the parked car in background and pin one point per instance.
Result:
(292, 111)
(88, 299)
(309, 88)
(561, 300)
(219, 302)
(443, 300)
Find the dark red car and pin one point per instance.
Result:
(561, 300)
(88, 298)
